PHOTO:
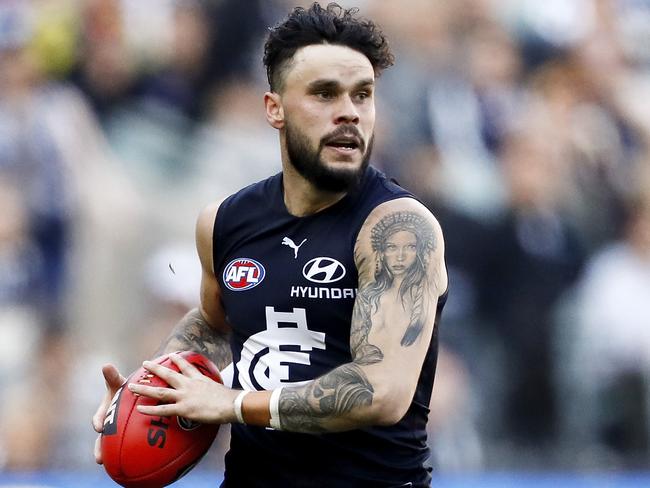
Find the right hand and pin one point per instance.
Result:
(113, 380)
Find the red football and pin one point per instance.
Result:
(143, 451)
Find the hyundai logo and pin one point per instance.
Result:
(323, 270)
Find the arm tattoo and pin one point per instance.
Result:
(307, 409)
(193, 333)
(362, 351)
(416, 323)
(403, 243)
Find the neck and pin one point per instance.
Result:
(301, 197)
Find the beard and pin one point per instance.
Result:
(309, 163)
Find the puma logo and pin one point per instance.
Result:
(288, 242)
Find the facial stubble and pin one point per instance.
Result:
(309, 163)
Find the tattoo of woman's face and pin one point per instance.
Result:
(400, 252)
(402, 242)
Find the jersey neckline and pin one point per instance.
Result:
(277, 197)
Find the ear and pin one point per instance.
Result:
(274, 110)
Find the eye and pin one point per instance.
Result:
(365, 92)
(324, 95)
(361, 96)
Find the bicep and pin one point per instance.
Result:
(399, 255)
(210, 305)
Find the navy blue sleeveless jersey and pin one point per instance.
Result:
(288, 286)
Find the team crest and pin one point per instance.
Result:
(243, 274)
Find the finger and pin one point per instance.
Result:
(167, 395)
(98, 450)
(165, 410)
(185, 367)
(114, 380)
(171, 377)
(100, 413)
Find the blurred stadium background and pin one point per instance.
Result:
(523, 124)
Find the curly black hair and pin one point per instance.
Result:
(318, 25)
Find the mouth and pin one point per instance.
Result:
(345, 144)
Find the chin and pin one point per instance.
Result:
(345, 165)
(346, 169)
(339, 177)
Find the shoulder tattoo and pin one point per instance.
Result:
(402, 243)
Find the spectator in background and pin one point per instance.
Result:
(183, 82)
(223, 157)
(597, 141)
(533, 257)
(31, 159)
(105, 70)
(20, 267)
(609, 353)
(21, 260)
(52, 152)
(469, 102)
(160, 95)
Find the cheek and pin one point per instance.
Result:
(314, 125)
(368, 118)
(312, 114)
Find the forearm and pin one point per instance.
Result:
(343, 399)
(194, 333)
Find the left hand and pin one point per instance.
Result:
(190, 394)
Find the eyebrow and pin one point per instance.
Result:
(326, 84)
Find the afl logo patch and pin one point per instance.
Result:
(323, 270)
(243, 274)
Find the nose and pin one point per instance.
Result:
(400, 254)
(347, 112)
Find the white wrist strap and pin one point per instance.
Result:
(238, 405)
(274, 409)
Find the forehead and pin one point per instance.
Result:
(333, 62)
(402, 235)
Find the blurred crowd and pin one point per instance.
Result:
(523, 125)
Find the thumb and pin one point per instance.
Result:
(113, 380)
(112, 377)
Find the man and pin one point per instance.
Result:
(320, 284)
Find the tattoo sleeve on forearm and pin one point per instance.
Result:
(307, 409)
(193, 333)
